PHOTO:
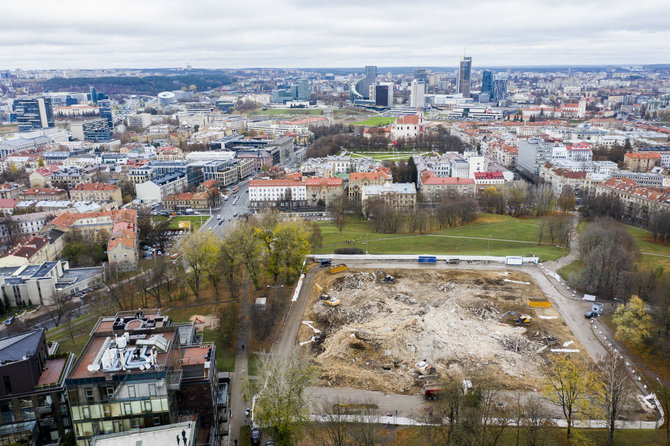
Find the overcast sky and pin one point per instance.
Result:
(331, 33)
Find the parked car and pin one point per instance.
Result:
(9, 320)
(255, 436)
(591, 314)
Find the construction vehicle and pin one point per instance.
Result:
(424, 368)
(385, 278)
(337, 269)
(322, 295)
(432, 390)
(332, 301)
(521, 319)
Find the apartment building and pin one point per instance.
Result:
(322, 191)
(285, 194)
(43, 194)
(358, 180)
(400, 196)
(156, 189)
(97, 192)
(641, 161)
(139, 370)
(640, 203)
(434, 189)
(33, 403)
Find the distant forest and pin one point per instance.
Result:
(151, 85)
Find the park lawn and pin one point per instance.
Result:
(225, 356)
(376, 120)
(646, 244)
(512, 230)
(286, 111)
(196, 221)
(565, 271)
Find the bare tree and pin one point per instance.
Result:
(333, 429)
(535, 421)
(58, 308)
(614, 389)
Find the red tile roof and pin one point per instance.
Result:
(408, 120)
(321, 181)
(8, 203)
(489, 176)
(643, 155)
(371, 176)
(27, 248)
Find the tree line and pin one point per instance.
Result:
(330, 140)
(470, 411)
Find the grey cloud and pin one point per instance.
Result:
(289, 33)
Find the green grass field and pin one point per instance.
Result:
(377, 120)
(646, 244)
(196, 221)
(568, 269)
(509, 236)
(81, 328)
(286, 112)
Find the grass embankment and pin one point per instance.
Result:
(376, 120)
(73, 339)
(556, 437)
(653, 356)
(497, 235)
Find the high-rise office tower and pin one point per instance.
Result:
(94, 95)
(363, 86)
(463, 81)
(421, 75)
(417, 94)
(36, 113)
(303, 90)
(384, 95)
(499, 88)
(487, 82)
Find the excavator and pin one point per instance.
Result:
(385, 278)
(332, 301)
(521, 319)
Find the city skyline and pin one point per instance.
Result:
(291, 34)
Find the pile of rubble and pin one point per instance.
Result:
(380, 331)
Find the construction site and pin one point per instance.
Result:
(394, 330)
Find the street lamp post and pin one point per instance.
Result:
(274, 287)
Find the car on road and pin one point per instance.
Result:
(9, 320)
(255, 436)
(218, 217)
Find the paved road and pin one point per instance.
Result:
(237, 403)
(229, 212)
